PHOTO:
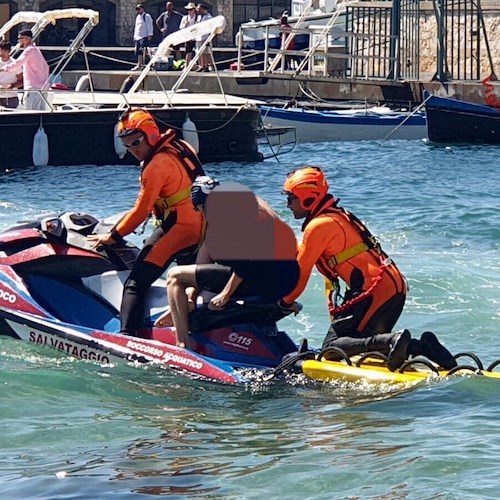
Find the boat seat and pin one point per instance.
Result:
(109, 286)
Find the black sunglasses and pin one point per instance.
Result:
(135, 143)
(291, 197)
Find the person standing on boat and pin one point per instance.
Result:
(143, 34)
(189, 19)
(286, 33)
(203, 15)
(168, 22)
(340, 246)
(247, 251)
(35, 71)
(9, 82)
(168, 168)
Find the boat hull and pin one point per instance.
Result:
(327, 126)
(454, 121)
(86, 136)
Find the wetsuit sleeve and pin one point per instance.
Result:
(315, 241)
(151, 185)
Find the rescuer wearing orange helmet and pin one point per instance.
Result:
(168, 168)
(341, 246)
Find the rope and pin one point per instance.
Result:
(209, 130)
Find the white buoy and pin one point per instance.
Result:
(190, 134)
(120, 149)
(40, 148)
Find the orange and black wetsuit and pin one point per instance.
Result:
(341, 247)
(166, 179)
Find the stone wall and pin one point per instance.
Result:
(428, 40)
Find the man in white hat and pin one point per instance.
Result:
(188, 20)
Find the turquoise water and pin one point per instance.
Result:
(71, 429)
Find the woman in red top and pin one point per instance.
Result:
(168, 169)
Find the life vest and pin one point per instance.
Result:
(327, 266)
(188, 158)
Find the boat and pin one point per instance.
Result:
(356, 124)
(455, 121)
(58, 292)
(79, 126)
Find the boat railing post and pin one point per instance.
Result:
(266, 50)
(240, 47)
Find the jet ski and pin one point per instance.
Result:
(57, 291)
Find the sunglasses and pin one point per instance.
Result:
(291, 197)
(135, 143)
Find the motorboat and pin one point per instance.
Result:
(79, 127)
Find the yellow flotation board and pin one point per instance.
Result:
(374, 370)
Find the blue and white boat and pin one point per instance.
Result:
(370, 123)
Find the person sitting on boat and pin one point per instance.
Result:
(168, 168)
(248, 251)
(340, 246)
(35, 71)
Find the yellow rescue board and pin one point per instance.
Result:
(374, 371)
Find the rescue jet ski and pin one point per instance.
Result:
(56, 291)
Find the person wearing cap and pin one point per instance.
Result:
(341, 247)
(247, 251)
(143, 34)
(187, 20)
(168, 168)
(9, 82)
(35, 71)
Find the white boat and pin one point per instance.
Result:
(78, 128)
(371, 123)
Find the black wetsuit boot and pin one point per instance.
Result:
(430, 347)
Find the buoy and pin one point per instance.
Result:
(83, 84)
(120, 149)
(127, 84)
(190, 134)
(40, 148)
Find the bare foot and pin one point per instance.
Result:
(165, 320)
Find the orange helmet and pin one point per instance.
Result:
(308, 184)
(138, 120)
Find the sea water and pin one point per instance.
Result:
(74, 429)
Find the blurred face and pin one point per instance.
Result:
(137, 145)
(4, 54)
(24, 41)
(293, 203)
(169, 6)
(139, 10)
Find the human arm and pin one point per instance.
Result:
(18, 63)
(152, 181)
(220, 300)
(315, 241)
(159, 21)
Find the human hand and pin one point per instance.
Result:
(218, 302)
(101, 239)
(294, 308)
